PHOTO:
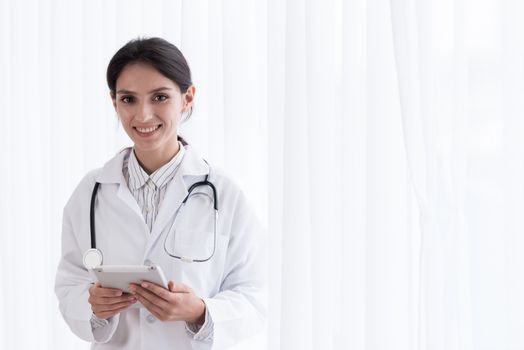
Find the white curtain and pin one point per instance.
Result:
(380, 142)
(433, 90)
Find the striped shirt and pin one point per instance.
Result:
(149, 190)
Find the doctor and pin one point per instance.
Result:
(213, 303)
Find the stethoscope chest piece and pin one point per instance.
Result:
(92, 258)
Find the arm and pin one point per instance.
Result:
(72, 289)
(238, 311)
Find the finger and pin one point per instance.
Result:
(112, 307)
(156, 289)
(113, 300)
(98, 290)
(107, 314)
(151, 297)
(93, 287)
(178, 288)
(156, 310)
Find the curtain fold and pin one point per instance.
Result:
(434, 115)
(351, 90)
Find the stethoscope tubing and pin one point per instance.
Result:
(92, 216)
(215, 221)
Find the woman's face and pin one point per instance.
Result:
(149, 106)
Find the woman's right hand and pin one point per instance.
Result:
(107, 302)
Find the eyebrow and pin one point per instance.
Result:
(124, 91)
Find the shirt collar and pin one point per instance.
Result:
(138, 177)
(111, 172)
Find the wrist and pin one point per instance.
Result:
(200, 315)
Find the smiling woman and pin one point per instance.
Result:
(150, 106)
(139, 196)
(150, 85)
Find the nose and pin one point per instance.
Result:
(144, 113)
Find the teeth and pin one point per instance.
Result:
(148, 129)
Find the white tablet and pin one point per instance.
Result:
(120, 276)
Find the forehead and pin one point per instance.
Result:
(142, 78)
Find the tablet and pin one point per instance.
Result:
(120, 276)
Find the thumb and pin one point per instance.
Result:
(93, 287)
(178, 288)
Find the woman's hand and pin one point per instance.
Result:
(178, 303)
(107, 302)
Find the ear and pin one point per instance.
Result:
(188, 98)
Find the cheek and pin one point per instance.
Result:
(169, 113)
(124, 114)
(125, 122)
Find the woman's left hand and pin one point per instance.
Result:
(177, 303)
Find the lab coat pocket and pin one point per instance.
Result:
(204, 277)
(194, 245)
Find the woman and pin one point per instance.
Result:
(212, 303)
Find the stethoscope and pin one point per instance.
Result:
(93, 257)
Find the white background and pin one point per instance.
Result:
(380, 142)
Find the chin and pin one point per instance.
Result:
(147, 147)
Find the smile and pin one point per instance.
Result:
(147, 130)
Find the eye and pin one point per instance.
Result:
(126, 99)
(160, 98)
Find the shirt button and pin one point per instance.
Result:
(150, 318)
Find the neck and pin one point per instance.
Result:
(151, 160)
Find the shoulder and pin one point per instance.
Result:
(197, 167)
(83, 190)
(225, 181)
(111, 172)
(222, 176)
(230, 193)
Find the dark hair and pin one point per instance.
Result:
(159, 53)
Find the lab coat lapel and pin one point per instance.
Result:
(125, 196)
(112, 174)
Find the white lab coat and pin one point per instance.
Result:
(232, 283)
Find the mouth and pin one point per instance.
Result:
(147, 131)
